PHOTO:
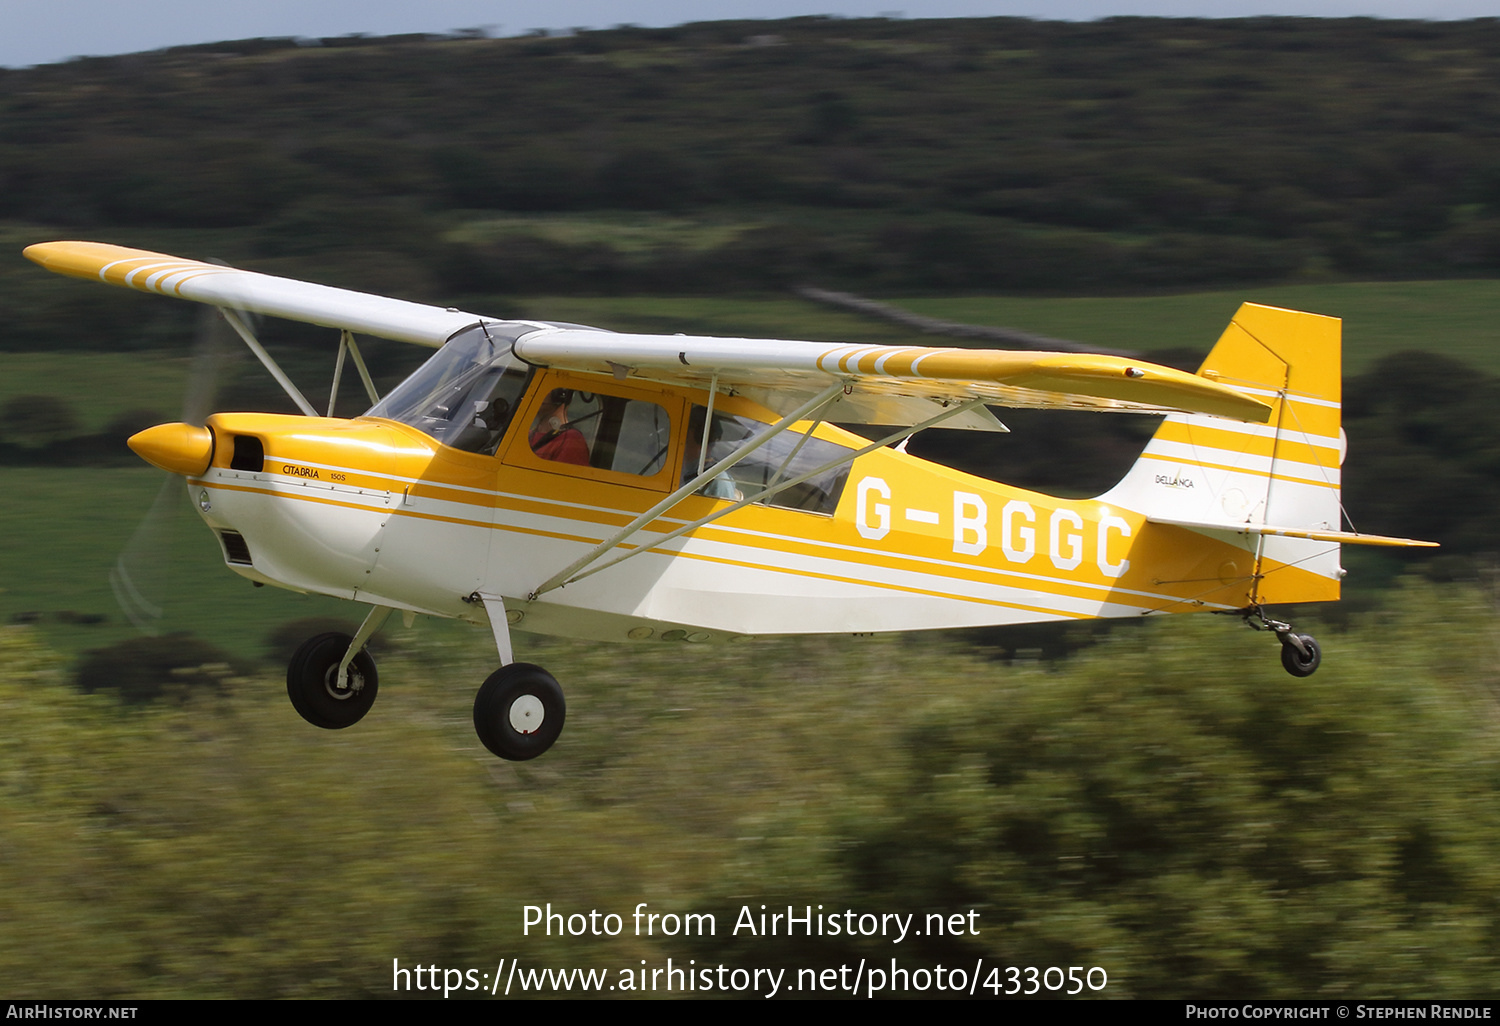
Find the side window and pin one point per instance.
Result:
(785, 457)
(607, 432)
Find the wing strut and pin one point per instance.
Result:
(359, 365)
(708, 420)
(270, 364)
(338, 370)
(347, 347)
(570, 575)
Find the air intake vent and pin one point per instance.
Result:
(235, 549)
(249, 454)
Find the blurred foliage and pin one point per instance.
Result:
(283, 642)
(33, 421)
(148, 668)
(1425, 431)
(1171, 807)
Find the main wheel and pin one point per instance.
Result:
(519, 711)
(312, 682)
(1297, 664)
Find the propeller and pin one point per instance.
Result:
(140, 575)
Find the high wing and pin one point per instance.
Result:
(895, 385)
(258, 293)
(892, 384)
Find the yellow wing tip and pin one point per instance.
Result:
(44, 253)
(79, 259)
(103, 261)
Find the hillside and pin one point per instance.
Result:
(980, 155)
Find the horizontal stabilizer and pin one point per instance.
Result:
(1338, 537)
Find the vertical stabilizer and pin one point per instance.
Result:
(1203, 470)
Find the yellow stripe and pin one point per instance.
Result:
(1261, 475)
(1252, 445)
(997, 576)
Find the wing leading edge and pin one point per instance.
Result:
(896, 385)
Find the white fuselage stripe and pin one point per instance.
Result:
(425, 507)
(1242, 462)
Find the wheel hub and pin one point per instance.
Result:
(526, 714)
(352, 686)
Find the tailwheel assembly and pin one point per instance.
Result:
(1300, 653)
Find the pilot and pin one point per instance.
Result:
(552, 437)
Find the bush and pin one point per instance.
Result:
(36, 420)
(143, 670)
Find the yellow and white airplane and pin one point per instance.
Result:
(574, 481)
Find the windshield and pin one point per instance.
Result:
(464, 395)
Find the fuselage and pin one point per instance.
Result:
(380, 512)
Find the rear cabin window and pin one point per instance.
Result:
(785, 457)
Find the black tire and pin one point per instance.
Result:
(1297, 664)
(513, 699)
(312, 682)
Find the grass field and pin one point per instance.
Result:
(99, 386)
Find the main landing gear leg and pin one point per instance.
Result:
(331, 680)
(1300, 654)
(519, 710)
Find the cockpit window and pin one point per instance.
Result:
(464, 395)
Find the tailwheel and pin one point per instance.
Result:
(313, 685)
(519, 711)
(1300, 654)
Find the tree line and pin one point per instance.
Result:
(995, 154)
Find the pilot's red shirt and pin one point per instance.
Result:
(565, 446)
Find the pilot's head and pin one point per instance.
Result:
(555, 406)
